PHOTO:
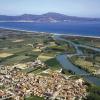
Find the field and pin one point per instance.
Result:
(15, 60)
(53, 64)
(34, 98)
(44, 57)
(36, 50)
(19, 40)
(93, 42)
(4, 55)
(87, 65)
(19, 47)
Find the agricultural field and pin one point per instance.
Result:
(90, 41)
(34, 98)
(4, 55)
(86, 63)
(17, 47)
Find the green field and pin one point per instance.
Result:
(21, 46)
(53, 64)
(34, 98)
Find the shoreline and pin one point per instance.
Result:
(19, 30)
(70, 34)
(87, 36)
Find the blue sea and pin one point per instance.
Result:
(73, 28)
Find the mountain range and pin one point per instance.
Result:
(48, 17)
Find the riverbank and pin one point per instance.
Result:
(66, 64)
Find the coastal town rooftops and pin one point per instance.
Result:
(1, 93)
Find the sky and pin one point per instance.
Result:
(82, 8)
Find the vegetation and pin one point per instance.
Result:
(65, 46)
(85, 63)
(64, 71)
(38, 70)
(20, 46)
(58, 48)
(94, 92)
(53, 64)
(93, 42)
(34, 98)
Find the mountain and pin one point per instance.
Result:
(48, 17)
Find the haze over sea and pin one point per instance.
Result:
(73, 28)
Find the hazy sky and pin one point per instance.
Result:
(87, 8)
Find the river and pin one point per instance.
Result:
(66, 64)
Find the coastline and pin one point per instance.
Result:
(87, 36)
(69, 34)
(19, 30)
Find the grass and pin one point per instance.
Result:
(20, 57)
(97, 59)
(17, 44)
(58, 48)
(64, 46)
(23, 54)
(36, 50)
(4, 55)
(94, 92)
(39, 70)
(44, 57)
(85, 65)
(64, 71)
(18, 49)
(45, 74)
(83, 62)
(47, 55)
(18, 40)
(16, 59)
(34, 98)
(53, 64)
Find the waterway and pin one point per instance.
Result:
(66, 64)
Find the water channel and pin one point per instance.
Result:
(66, 64)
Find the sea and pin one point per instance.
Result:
(71, 28)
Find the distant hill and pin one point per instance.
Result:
(48, 17)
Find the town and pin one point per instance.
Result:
(18, 85)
